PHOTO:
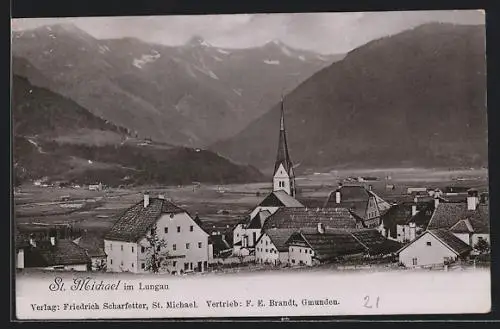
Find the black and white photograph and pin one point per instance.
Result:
(250, 165)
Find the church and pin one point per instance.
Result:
(264, 232)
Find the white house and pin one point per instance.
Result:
(271, 247)
(185, 242)
(433, 247)
(469, 221)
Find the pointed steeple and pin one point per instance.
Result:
(283, 157)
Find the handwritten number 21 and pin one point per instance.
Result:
(368, 304)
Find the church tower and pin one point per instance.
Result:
(284, 178)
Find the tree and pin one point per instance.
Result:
(100, 265)
(156, 256)
(482, 246)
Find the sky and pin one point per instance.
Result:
(326, 33)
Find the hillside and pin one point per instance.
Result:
(56, 138)
(193, 95)
(412, 99)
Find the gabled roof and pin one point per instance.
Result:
(218, 242)
(447, 238)
(300, 218)
(137, 220)
(93, 245)
(355, 198)
(448, 214)
(280, 199)
(259, 219)
(279, 237)
(64, 252)
(374, 242)
(462, 226)
(327, 245)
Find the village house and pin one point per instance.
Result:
(185, 246)
(94, 247)
(51, 254)
(271, 247)
(434, 247)
(405, 220)
(468, 221)
(362, 202)
(308, 247)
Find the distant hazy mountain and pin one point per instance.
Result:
(417, 98)
(56, 138)
(193, 94)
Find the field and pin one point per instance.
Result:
(218, 206)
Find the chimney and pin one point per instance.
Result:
(414, 207)
(472, 199)
(370, 187)
(337, 196)
(53, 240)
(321, 228)
(436, 201)
(146, 199)
(32, 241)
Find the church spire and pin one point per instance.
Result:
(283, 180)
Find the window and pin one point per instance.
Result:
(191, 228)
(429, 243)
(237, 235)
(111, 261)
(178, 229)
(122, 263)
(187, 245)
(132, 248)
(143, 250)
(110, 246)
(300, 250)
(310, 251)
(165, 230)
(266, 250)
(121, 247)
(186, 266)
(158, 248)
(292, 249)
(143, 266)
(132, 265)
(414, 261)
(266, 242)
(199, 244)
(293, 261)
(174, 263)
(174, 246)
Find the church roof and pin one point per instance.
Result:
(259, 219)
(300, 218)
(282, 155)
(280, 199)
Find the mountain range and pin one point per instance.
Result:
(417, 98)
(191, 95)
(56, 138)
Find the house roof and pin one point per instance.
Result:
(218, 242)
(462, 226)
(328, 245)
(445, 237)
(93, 245)
(64, 252)
(259, 219)
(355, 198)
(374, 242)
(136, 220)
(299, 218)
(280, 199)
(279, 237)
(446, 215)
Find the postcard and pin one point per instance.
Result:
(250, 165)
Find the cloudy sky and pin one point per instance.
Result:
(321, 32)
